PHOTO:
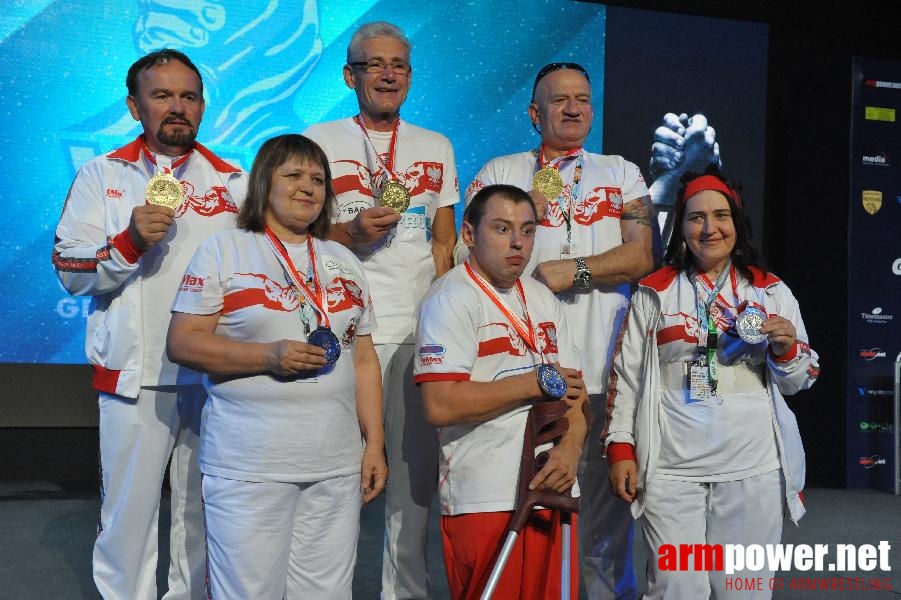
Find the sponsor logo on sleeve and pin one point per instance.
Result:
(431, 354)
(191, 283)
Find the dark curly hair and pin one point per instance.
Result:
(744, 254)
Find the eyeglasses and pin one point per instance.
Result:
(378, 66)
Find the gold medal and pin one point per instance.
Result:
(548, 182)
(164, 189)
(395, 195)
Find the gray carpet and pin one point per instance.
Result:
(47, 533)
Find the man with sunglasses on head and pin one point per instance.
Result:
(396, 186)
(596, 236)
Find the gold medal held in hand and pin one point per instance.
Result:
(395, 195)
(548, 182)
(164, 189)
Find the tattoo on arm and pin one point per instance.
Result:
(641, 210)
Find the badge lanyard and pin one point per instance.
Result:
(576, 184)
(707, 320)
(392, 148)
(522, 327)
(315, 297)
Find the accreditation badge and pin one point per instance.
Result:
(699, 381)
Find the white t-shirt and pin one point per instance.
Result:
(461, 335)
(400, 267)
(607, 182)
(263, 427)
(717, 439)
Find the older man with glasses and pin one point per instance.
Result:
(396, 186)
(595, 237)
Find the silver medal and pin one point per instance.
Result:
(748, 325)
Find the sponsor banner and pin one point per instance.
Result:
(874, 276)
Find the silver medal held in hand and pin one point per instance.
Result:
(748, 325)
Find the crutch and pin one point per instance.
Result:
(546, 423)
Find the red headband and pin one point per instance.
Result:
(709, 182)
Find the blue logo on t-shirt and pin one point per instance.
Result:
(415, 218)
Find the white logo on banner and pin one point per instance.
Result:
(896, 266)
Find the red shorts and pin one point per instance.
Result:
(472, 543)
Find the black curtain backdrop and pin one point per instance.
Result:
(807, 181)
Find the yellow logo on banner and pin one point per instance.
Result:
(876, 113)
(872, 201)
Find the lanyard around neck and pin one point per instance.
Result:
(706, 320)
(556, 163)
(316, 295)
(392, 146)
(523, 327)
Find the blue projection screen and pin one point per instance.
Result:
(269, 67)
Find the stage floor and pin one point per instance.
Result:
(47, 533)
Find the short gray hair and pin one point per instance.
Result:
(371, 30)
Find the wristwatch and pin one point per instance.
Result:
(582, 280)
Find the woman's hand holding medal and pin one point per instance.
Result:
(287, 358)
(780, 334)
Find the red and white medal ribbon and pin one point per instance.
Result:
(392, 148)
(315, 296)
(522, 327)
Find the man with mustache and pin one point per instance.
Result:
(395, 186)
(597, 234)
(126, 234)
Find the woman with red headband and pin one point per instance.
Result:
(699, 437)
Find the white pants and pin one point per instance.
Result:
(137, 438)
(272, 540)
(411, 445)
(606, 526)
(747, 511)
